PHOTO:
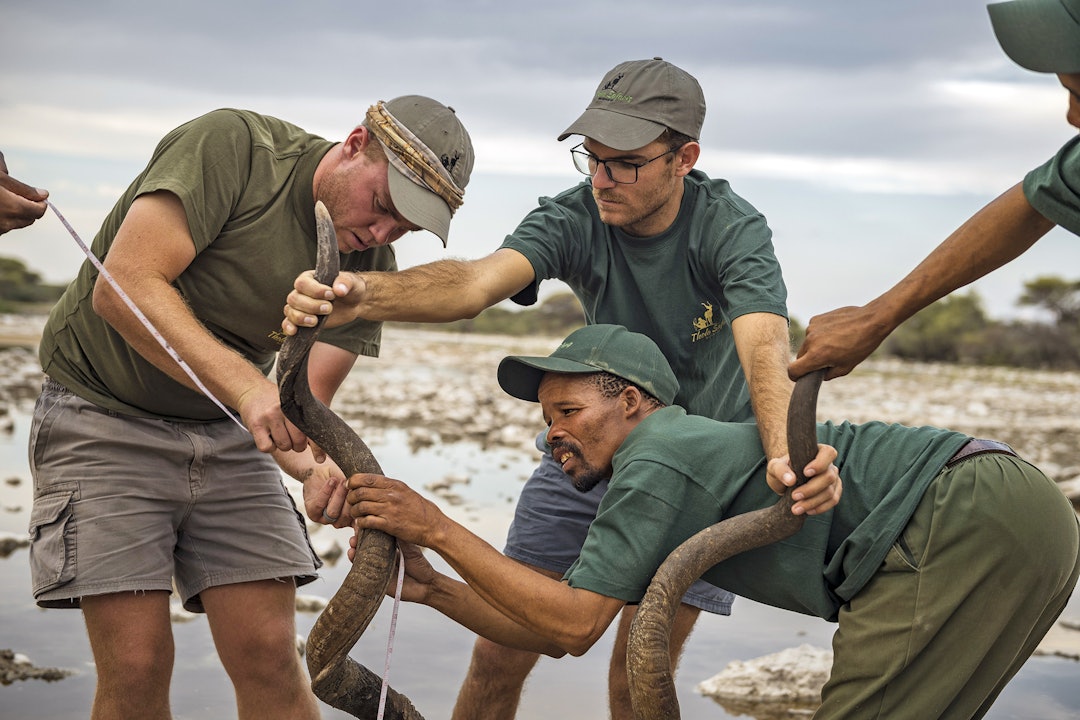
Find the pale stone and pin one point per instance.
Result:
(793, 675)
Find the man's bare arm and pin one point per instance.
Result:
(571, 618)
(994, 236)
(151, 249)
(761, 340)
(441, 291)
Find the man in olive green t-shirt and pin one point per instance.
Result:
(141, 481)
(944, 565)
(1040, 35)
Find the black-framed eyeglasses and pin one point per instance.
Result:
(623, 172)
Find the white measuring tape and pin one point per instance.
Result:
(390, 637)
(144, 320)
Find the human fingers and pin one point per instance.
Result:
(818, 495)
(17, 187)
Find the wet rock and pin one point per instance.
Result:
(10, 542)
(16, 666)
(780, 685)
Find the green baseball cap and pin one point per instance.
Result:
(637, 101)
(591, 349)
(438, 127)
(1040, 35)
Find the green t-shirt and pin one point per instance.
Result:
(681, 288)
(245, 181)
(1054, 188)
(677, 474)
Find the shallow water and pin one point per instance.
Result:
(430, 653)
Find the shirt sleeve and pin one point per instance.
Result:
(205, 163)
(744, 261)
(1053, 189)
(648, 512)
(552, 239)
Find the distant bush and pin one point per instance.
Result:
(956, 329)
(937, 333)
(557, 316)
(20, 287)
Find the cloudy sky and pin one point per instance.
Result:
(864, 131)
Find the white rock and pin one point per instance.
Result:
(178, 614)
(791, 675)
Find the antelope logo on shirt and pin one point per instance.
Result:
(704, 326)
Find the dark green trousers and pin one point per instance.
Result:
(980, 574)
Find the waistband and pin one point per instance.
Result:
(49, 384)
(977, 446)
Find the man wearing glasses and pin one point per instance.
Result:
(649, 243)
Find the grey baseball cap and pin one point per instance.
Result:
(637, 100)
(438, 127)
(1040, 35)
(594, 348)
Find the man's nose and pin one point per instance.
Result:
(384, 232)
(600, 177)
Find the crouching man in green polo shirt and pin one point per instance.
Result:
(947, 561)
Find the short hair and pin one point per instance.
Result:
(375, 149)
(610, 386)
(674, 139)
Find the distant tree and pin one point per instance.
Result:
(556, 316)
(560, 314)
(19, 284)
(1019, 344)
(1059, 297)
(15, 278)
(936, 333)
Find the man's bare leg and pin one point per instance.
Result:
(254, 629)
(618, 683)
(131, 638)
(496, 677)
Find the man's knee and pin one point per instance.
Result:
(492, 659)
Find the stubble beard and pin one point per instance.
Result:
(589, 476)
(639, 213)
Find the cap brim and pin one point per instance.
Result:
(1039, 35)
(520, 376)
(418, 205)
(618, 131)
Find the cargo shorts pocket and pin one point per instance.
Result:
(52, 539)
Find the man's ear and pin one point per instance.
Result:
(686, 157)
(631, 400)
(357, 141)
